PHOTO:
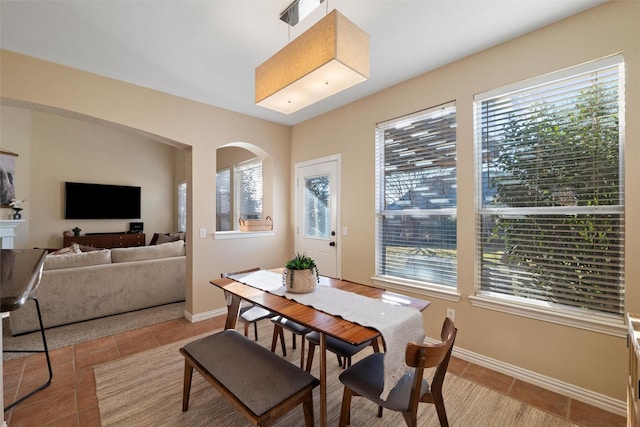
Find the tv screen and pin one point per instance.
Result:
(100, 201)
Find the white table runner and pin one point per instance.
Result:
(396, 323)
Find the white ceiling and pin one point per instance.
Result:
(207, 50)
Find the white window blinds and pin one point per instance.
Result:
(551, 205)
(416, 197)
(223, 200)
(182, 206)
(248, 190)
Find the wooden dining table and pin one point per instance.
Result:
(325, 324)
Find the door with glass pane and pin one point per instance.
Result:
(316, 221)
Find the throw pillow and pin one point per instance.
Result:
(169, 237)
(73, 249)
(154, 239)
(159, 238)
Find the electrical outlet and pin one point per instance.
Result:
(451, 314)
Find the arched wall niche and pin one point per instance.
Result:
(232, 153)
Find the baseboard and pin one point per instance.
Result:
(618, 407)
(206, 315)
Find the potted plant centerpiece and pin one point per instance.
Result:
(300, 274)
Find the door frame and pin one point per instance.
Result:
(338, 185)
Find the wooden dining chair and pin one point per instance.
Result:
(366, 379)
(280, 324)
(250, 314)
(342, 349)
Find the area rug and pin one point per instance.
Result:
(75, 333)
(146, 390)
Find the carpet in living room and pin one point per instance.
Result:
(75, 333)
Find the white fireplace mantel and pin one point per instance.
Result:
(8, 231)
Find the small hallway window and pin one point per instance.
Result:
(182, 206)
(238, 194)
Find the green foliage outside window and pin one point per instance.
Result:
(553, 173)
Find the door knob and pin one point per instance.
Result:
(332, 243)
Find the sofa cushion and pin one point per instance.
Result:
(165, 250)
(76, 294)
(71, 260)
(84, 248)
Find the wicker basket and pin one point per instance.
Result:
(256, 224)
(300, 281)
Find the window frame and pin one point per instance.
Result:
(182, 206)
(219, 215)
(237, 188)
(235, 232)
(538, 309)
(381, 278)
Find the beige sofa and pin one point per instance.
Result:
(89, 285)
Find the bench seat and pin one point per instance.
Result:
(260, 384)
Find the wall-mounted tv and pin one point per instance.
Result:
(100, 201)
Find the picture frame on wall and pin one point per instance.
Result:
(7, 177)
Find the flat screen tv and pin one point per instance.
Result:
(101, 201)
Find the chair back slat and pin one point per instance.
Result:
(251, 270)
(430, 355)
(425, 355)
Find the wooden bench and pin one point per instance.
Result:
(260, 384)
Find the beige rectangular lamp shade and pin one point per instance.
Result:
(326, 59)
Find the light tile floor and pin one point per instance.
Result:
(71, 399)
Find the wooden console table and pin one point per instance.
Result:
(107, 240)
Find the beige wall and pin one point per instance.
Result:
(198, 128)
(590, 360)
(53, 149)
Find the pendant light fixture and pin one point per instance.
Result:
(329, 57)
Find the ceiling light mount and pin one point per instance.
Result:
(329, 57)
(298, 10)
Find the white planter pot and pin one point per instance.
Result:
(300, 281)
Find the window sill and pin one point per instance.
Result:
(585, 321)
(236, 234)
(419, 288)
